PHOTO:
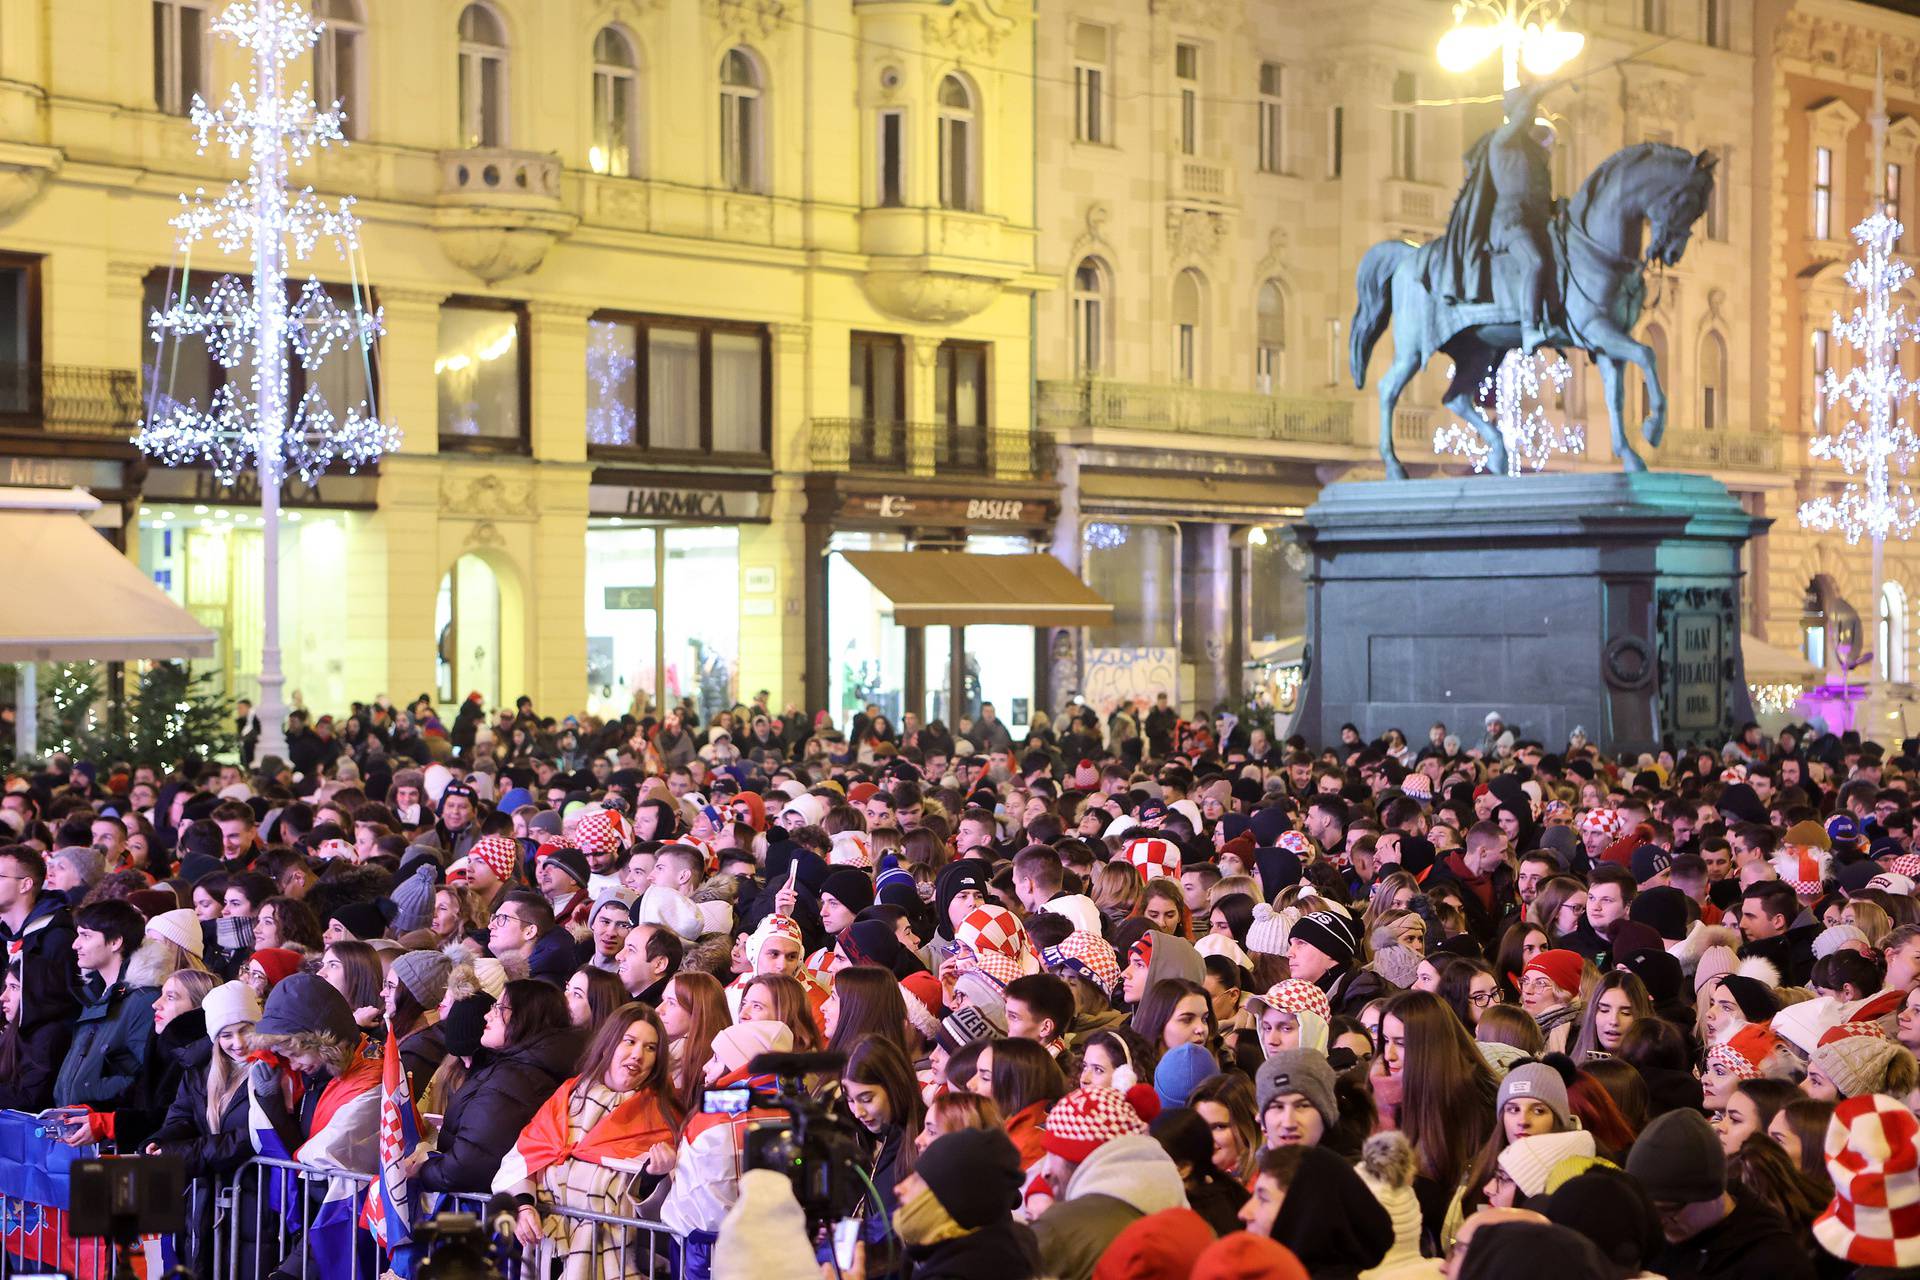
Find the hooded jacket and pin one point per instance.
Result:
(486, 1115)
(49, 978)
(111, 1036)
(1174, 958)
(1125, 1179)
(1751, 1240)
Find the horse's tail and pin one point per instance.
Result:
(1373, 287)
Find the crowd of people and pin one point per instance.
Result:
(1116, 1001)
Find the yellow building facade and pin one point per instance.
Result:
(682, 298)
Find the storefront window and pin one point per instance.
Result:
(622, 625)
(1136, 567)
(1277, 590)
(704, 388)
(702, 615)
(866, 649)
(662, 600)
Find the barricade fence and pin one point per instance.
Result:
(280, 1216)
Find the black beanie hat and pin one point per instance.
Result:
(851, 887)
(974, 1174)
(1755, 998)
(573, 863)
(463, 1023)
(1610, 1209)
(365, 920)
(1658, 971)
(1678, 1160)
(1329, 934)
(1663, 909)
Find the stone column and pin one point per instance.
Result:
(923, 409)
(1206, 555)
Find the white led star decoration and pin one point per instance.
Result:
(250, 322)
(1876, 443)
(1515, 391)
(610, 367)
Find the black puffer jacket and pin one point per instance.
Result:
(485, 1117)
(184, 1133)
(178, 1053)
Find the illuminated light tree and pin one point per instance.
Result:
(1514, 391)
(249, 322)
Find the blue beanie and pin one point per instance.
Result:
(1180, 1073)
(518, 798)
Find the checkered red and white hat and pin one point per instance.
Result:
(1154, 859)
(1873, 1154)
(1732, 774)
(851, 849)
(1297, 995)
(1907, 864)
(709, 854)
(1295, 843)
(1803, 869)
(602, 831)
(1610, 823)
(1088, 1118)
(1743, 1053)
(999, 942)
(1088, 954)
(499, 853)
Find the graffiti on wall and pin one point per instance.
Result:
(1116, 676)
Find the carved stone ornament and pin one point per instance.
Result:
(22, 182)
(968, 30)
(1195, 233)
(487, 494)
(748, 19)
(929, 297)
(485, 533)
(1661, 103)
(1212, 14)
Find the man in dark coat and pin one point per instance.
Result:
(38, 932)
(1712, 1231)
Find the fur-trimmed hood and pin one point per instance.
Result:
(150, 964)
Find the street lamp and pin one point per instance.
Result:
(1525, 32)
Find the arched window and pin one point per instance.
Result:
(1186, 326)
(1892, 640)
(483, 78)
(1713, 382)
(1270, 337)
(1656, 338)
(957, 138)
(616, 98)
(1090, 318)
(741, 97)
(338, 72)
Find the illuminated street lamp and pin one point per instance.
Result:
(1524, 32)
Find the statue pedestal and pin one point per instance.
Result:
(1604, 600)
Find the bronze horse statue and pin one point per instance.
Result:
(1652, 191)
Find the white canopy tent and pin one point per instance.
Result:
(71, 597)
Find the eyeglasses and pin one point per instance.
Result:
(1484, 999)
(507, 916)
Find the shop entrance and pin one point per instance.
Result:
(468, 636)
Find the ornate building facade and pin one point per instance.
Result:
(682, 299)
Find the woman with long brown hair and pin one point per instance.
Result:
(1024, 1082)
(693, 1009)
(774, 997)
(880, 1090)
(1431, 1078)
(866, 1003)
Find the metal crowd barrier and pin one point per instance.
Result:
(283, 1240)
(36, 1242)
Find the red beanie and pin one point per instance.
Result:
(278, 962)
(1245, 1256)
(1561, 967)
(1160, 1246)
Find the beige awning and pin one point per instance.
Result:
(1774, 664)
(959, 589)
(69, 596)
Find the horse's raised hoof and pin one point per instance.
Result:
(1630, 461)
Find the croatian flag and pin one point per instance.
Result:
(343, 1136)
(389, 1208)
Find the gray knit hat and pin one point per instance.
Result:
(424, 975)
(413, 898)
(1538, 1082)
(1302, 1071)
(88, 863)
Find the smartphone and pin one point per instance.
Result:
(727, 1102)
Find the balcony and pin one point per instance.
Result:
(1140, 406)
(1417, 204)
(1717, 450)
(500, 211)
(70, 400)
(1192, 180)
(922, 449)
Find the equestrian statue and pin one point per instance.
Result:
(1518, 270)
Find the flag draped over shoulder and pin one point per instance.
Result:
(623, 1133)
(389, 1207)
(344, 1136)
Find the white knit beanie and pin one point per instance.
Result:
(1268, 933)
(764, 1235)
(1530, 1161)
(228, 1003)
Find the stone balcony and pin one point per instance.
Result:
(499, 211)
(939, 266)
(1099, 403)
(1194, 180)
(1715, 451)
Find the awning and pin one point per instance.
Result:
(959, 589)
(71, 597)
(1774, 664)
